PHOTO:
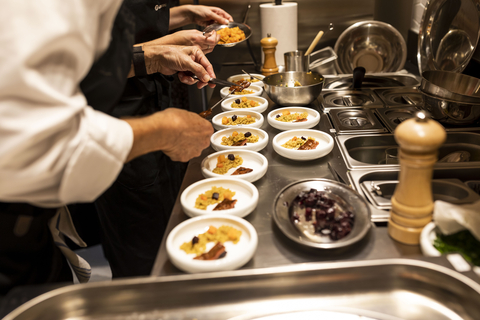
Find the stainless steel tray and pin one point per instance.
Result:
(380, 289)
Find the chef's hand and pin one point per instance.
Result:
(201, 15)
(171, 59)
(189, 37)
(180, 134)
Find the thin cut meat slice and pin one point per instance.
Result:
(310, 144)
(241, 170)
(301, 120)
(240, 143)
(225, 204)
(217, 252)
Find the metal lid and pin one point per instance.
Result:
(448, 35)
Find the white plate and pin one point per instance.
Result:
(226, 104)
(324, 147)
(217, 120)
(237, 254)
(247, 77)
(257, 91)
(312, 119)
(427, 237)
(245, 192)
(216, 139)
(251, 159)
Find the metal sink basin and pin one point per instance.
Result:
(368, 151)
(451, 188)
(377, 289)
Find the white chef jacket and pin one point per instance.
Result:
(54, 148)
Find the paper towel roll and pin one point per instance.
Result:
(280, 21)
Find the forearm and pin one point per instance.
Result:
(180, 16)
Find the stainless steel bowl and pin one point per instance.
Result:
(285, 197)
(242, 26)
(451, 85)
(451, 112)
(276, 87)
(374, 45)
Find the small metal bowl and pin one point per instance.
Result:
(311, 87)
(374, 45)
(451, 112)
(214, 27)
(283, 200)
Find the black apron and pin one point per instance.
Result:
(30, 256)
(134, 211)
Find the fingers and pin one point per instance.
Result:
(224, 14)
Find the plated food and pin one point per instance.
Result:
(229, 196)
(303, 144)
(434, 244)
(239, 138)
(293, 118)
(230, 35)
(224, 243)
(250, 103)
(255, 81)
(237, 118)
(233, 34)
(252, 90)
(321, 213)
(252, 167)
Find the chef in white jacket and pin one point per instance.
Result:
(54, 148)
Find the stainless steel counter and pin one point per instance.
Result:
(275, 249)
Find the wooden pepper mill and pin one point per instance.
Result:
(269, 45)
(412, 203)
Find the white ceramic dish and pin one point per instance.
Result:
(237, 254)
(312, 119)
(427, 237)
(251, 159)
(216, 139)
(246, 195)
(247, 77)
(324, 147)
(257, 91)
(217, 120)
(226, 104)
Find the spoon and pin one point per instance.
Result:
(208, 112)
(252, 76)
(317, 38)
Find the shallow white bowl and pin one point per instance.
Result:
(312, 119)
(226, 104)
(245, 192)
(237, 254)
(216, 139)
(257, 91)
(247, 77)
(251, 159)
(217, 120)
(427, 237)
(324, 147)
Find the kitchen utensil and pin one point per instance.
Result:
(451, 85)
(377, 46)
(282, 214)
(296, 61)
(419, 139)
(391, 155)
(323, 61)
(219, 82)
(253, 76)
(215, 27)
(314, 43)
(457, 156)
(206, 113)
(448, 35)
(311, 86)
(358, 76)
(449, 111)
(269, 45)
